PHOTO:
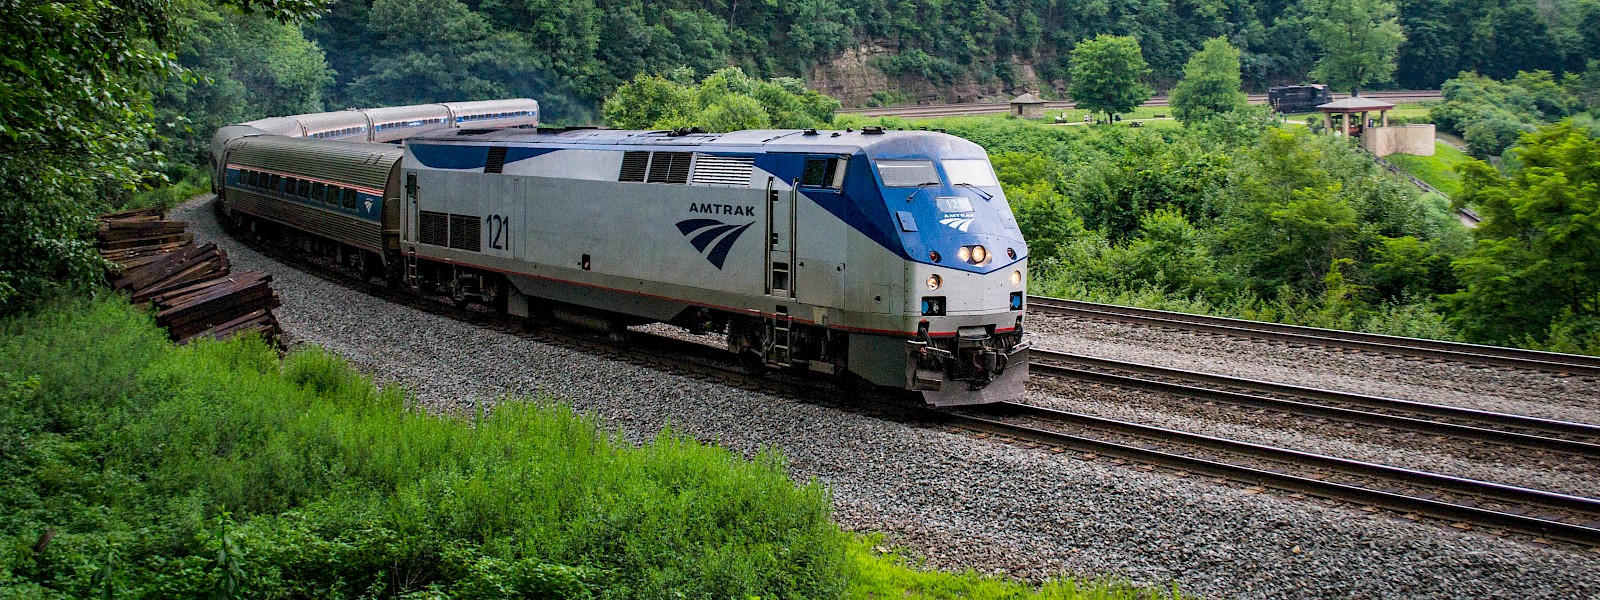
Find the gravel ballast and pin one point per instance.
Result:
(959, 501)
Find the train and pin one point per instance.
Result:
(889, 257)
(1298, 98)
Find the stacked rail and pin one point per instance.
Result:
(190, 287)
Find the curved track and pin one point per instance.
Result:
(1546, 514)
(983, 108)
(1574, 364)
(1467, 502)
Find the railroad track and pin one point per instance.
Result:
(1558, 516)
(1467, 503)
(1533, 433)
(1571, 364)
(981, 108)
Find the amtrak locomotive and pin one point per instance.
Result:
(885, 255)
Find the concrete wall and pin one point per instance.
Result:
(1403, 139)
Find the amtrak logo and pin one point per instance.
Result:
(713, 234)
(368, 205)
(958, 222)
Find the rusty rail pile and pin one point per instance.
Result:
(190, 287)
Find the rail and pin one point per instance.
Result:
(1454, 351)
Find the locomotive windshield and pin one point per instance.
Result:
(907, 173)
(970, 171)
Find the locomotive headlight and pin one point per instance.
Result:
(980, 255)
(1016, 278)
(934, 281)
(964, 253)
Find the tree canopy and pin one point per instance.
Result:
(1210, 84)
(76, 79)
(1359, 40)
(1537, 262)
(727, 100)
(1108, 73)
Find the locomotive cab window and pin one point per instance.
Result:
(823, 172)
(970, 171)
(907, 173)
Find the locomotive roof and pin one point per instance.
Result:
(884, 143)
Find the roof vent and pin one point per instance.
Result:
(810, 132)
(872, 130)
(475, 131)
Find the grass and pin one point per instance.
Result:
(881, 573)
(220, 469)
(182, 471)
(1437, 170)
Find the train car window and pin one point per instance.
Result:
(319, 192)
(273, 185)
(304, 190)
(907, 173)
(974, 171)
(349, 198)
(819, 172)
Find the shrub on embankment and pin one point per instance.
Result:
(218, 468)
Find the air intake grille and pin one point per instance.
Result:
(670, 167)
(633, 166)
(465, 232)
(497, 160)
(723, 170)
(433, 228)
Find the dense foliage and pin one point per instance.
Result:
(572, 54)
(728, 100)
(1535, 272)
(76, 80)
(1490, 114)
(134, 469)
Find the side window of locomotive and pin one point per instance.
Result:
(973, 171)
(907, 173)
(823, 172)
(349, 198)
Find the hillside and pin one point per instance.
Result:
(899, 51)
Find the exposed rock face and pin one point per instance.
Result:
(852, 78)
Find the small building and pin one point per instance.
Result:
(1028, 106)
(1377, 137)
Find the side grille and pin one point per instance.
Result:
(633, 166)
(670, 167)
(723, 170)
(466, 232)
(497, 160)
(433, 228)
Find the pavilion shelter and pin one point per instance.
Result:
(1348, 108)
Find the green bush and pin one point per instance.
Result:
(217, 468)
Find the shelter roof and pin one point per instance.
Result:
(1355, 104)
(1027, 98)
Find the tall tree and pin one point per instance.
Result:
(1359, 40)
(1210, 84)
(1108, 73)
